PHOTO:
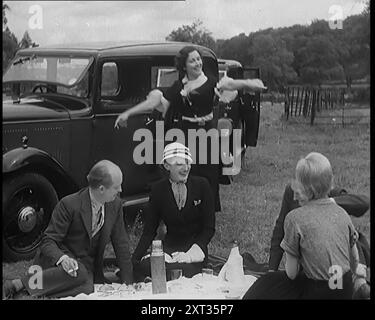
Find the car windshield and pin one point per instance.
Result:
(49, 74)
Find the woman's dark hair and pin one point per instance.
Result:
(181, 57)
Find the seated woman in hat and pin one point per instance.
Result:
(186, 206)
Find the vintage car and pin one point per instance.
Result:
(59, 108)
(243, 111)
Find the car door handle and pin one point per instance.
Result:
(148, 121)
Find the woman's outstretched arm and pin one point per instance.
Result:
(227, 83)
(154, 101)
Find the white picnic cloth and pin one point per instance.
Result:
(199, 287)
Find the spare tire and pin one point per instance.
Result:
(28, 202)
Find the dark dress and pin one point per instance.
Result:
(202, 99)
(193, 224)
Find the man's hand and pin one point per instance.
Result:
(70, 266)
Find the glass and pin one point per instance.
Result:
(64, 71)
(157, 247)
(176, 274)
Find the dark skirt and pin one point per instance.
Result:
(277, 286)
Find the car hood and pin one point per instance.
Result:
(33, 109)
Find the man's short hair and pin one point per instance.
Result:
(101, 174)
(314, 176)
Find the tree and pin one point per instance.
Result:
(194, 33)
(10, 42)
(236, 48)
(318, 60)
(26, 41)
(10, 47)
(5, 20)
(366, 11)
(274, 59)
(353, 47)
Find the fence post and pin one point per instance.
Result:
(326, 99)
(343, 107)
(307, 102)
(297, 98)
(317, 100)
(286, 103)
(313, 107)
(336, 97)
(330, 99)
(300, 104)
(291, 101)
(306, 105)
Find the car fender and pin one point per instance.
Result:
(39, 161)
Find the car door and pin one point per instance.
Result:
(124, 83)
(250, 109)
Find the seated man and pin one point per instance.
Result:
(186, 205)
(354, 205)
(72, 248)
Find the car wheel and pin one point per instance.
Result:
(28, 202)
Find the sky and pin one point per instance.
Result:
(54, 22)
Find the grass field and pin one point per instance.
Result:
(252, 203)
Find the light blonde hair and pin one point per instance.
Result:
(314, 176)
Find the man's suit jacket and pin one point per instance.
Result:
(355, 205)
(69, 232)
(195, 223)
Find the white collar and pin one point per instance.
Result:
(177, 182)
(94, 202)
(190, 85)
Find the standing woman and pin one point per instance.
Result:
(188, 104)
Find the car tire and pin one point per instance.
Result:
(28, 202)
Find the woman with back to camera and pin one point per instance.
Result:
(188, 104)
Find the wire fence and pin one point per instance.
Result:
(312, 102)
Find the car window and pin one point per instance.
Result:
(162, 76)
(222, 73)
(81, 89)
(125, 82)
(251, 73)
(110, 81)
